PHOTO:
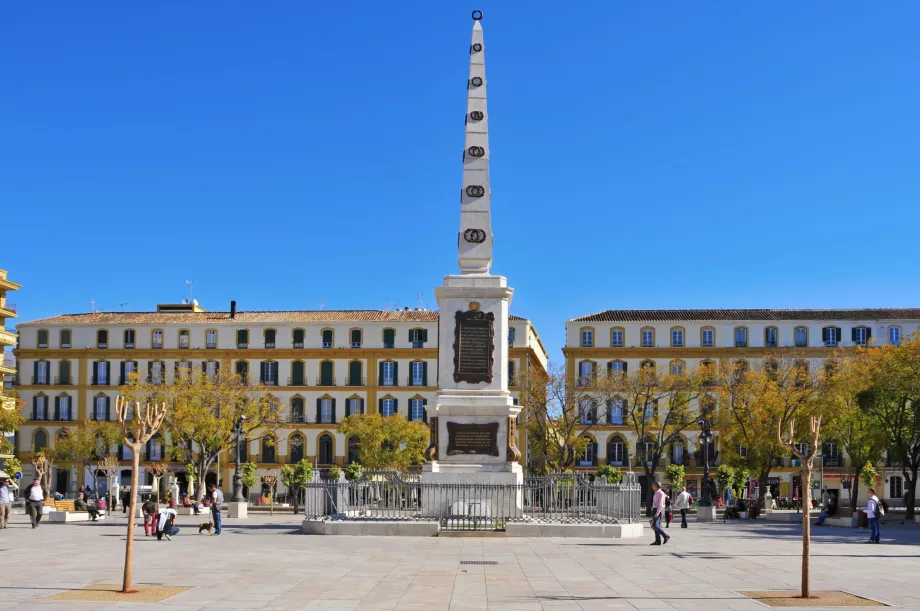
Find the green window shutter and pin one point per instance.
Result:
(319, 408)
(389, 336)
(868, 333)
(425, 410)
(121, 373)
(361, 405)
(380, 374)
(356, 336)
(57, 408)
(35, 372)
(333, 412)
(396, 374)
(380, 406)
(395, 407)
(425, 373)
(424, 335)
(149, 371)
(108, 405)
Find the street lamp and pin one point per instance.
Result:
(706, 495)
(238, 472)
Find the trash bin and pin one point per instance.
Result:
(862, 520)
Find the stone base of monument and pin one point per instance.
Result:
(370, 529)
(587, 531)
(705, 514)
(432, 529)
(238, 510)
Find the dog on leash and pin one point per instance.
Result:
(207, 526)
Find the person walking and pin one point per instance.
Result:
(682, 504)
(874, 511)
(35, 502)
(658, 508)
(125, 499)
(6, 501)
(150, 511)
(217, 500)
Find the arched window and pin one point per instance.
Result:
(677, 337)
(297, 448)
(356, 337)
(771, 337)
(328, 338)
(65, 338)
(617, 454)
(354, 406)
(130, 338)
(586, 371)
(298, 374)
(326, 374)
(616, 367)
(831, 336)
(678, 451)
(707, 337)
(210, 339)
(617, 337)
(43, 338)
(801, 337)
(677, 367)
(63, 408)
(616, 411)
(40, 407)
(242, 338)
(269, 373)
(511, 332)
(268, 449)
(354, 449)
(41, 373)
(269, 337)
(40, 441)
(647, 365)
(64, 373)
(297, 410)
(587, 337)
(647, 335)
(389, 338)
(589, 458)
(741, 337)
(831, 453)
(324, 455)
(588, 412)
(862, 335)
(298, 338)
(418, 337)
(156, 338)
(355, 373)
(708, 372)
(511, 379)
(894, 336)
(102, 338)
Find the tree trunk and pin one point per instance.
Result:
(854, 488)
(762, 485)
(129, 544)
(806, 532)
(295, 491)
(910, 499)
(650, 478)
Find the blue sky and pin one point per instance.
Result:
(644, 155)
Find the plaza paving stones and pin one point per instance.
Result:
(264, 563)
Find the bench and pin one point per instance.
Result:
(62, 505)
(71, 516)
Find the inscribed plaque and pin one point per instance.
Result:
(472, 439)
(474, 346)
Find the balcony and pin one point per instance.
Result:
(269, 345)
(389, 344)
(297, 381)
(242, 345)
(269, 382)
(101, 380)
(64, 380)
(298, 345)
(355, 344)
(740, 344)
(418, 344)
(8, 338)
(388, 382)
(356, 381)
(8, 307)
(327, 344)
(157, 345)
(325, 381)
(129, 344)
(211, 345)
(414, 381)
(41, 380)
(102, 345)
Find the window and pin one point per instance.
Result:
(211, 368)
(43, 338)
(324, 456)
(418, 374)
(298, 338)
(157, 370)
(326, 411)
(770, 337)
(157, 338)
(802, 448)
(707, 337)
(511, 380)
(101, 373)
(387, 407)
(587, 338)
(154, 449)
(354, 406)
(742, 451)
(354, 449)
(830, 336)
(269, 338)
(708, 372)
(210, 339)
(616, 409)
(389, 338)
(831, 452)
(297, 411)
(894, 336)
(648, 338)
(801, 337)
(102, 338)
(64, 373)
(648, 414)
(616, 452)
(129, 338)
(356, 338)
(297, 448)
(298, 374)
(677, 338)
(268, 449)
(388, 373)
(327, 338)
(125, 453)
(677, 367)
(648, 365)
(589, 458)
(587, 412)
(861, 335)
(40, 441)
(64, 408)
(896, 487)
(40, 407)
(511, 337)
(616, 367)
(183, 370)
(65, 338)
(269, 374)
(741, 337)
(355, 371)
(42, 372)
(417, 410)
(101, 409)
(585, 373)
(242, 338)
(616, 337)
(418, 337)
(326, 374)
(739, 369)
(678, 448)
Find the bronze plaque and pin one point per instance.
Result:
(474, 346)
(472, 439)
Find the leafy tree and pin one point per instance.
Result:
(869, 473)
(88, 444)
(10, 419)
(726, 477)
(613, 474)
(334, 473)
(386, 442)
(296, 477)
(353, 471)
(11, 465)
(204, 411)
(249, 475)
(740, 482)
(675, 474)
(560, 414)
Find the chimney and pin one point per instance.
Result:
(406, 308)
(232, 310)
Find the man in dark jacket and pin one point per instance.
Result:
(80, 504)
(35, 502)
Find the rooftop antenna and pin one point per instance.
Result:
(421, 300)
(321, 304)
(191, 290)
(92, 303)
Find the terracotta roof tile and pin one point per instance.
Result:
(749, 314)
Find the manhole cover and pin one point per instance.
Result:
(478, 562)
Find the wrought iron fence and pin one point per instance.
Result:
(558, 499)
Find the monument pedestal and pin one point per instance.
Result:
(706, 514)
(238, 510)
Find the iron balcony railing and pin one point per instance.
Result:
(9, 307)
(325, 381)
(269, 345)
(63, 380)
(356, 381)
(156, 345)
(297, 381)
(242, 345)
(269, 382)
(41, 380)
(558, 498)
(415, 381)
(389, 344)
(298, 345)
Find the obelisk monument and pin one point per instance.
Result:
(473, 424)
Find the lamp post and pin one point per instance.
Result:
(238, 472)
(705, 425)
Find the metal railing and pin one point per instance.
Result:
(560, 498)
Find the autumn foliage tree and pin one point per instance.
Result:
(386, 442)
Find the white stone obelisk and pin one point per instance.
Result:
(473, 423)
